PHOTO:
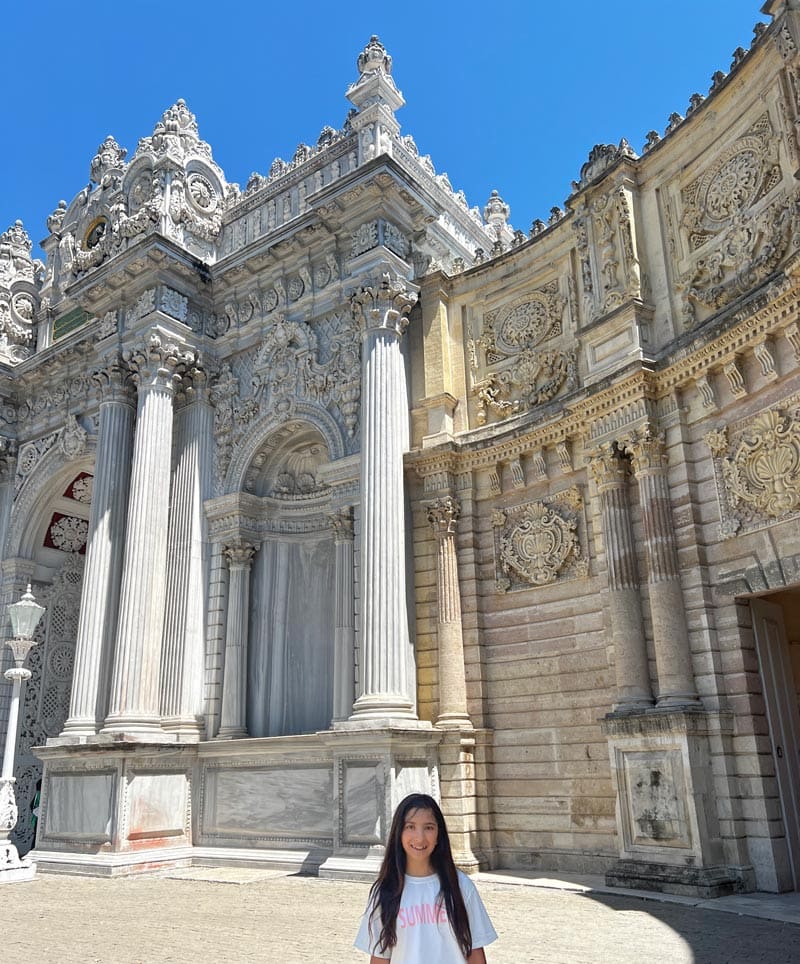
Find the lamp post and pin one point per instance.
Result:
(25, 616)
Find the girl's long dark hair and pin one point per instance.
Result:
(388, 888)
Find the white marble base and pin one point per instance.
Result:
(24, 870)
(358, 867)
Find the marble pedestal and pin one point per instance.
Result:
(374, 767)
(110, 808)
(667, 824)
(317, 803)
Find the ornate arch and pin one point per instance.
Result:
(303, 412)
(29, 514)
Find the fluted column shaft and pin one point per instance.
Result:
(184, 630)
(443, 517)
(344, 632)
(670, 633)
(134, 705)
(102, 575)
(233, 723)
(625, 605)
(387, 678)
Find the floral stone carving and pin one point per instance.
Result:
(511, 371)
(734, 239)
(538, 543)
(757, 468)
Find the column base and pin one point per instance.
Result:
(14, 868)
(134, 726)
(704, 882)
(389, 706)
(454, 721)
(231, 733)
(78, 729)
(184, 729)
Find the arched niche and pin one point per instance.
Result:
(293, 579)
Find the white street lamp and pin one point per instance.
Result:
(25, 616)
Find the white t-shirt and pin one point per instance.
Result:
(424, 935)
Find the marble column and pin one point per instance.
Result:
(676, 687)
(233, 723)
(134, 707)
(344, 632)
(610, 472)
(188, 555)
(102, 574)
(443, 517)
(387, 676)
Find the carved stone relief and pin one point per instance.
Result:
(757, 469)
(19, 298)
(294, 362)
(540, 542)
(734, 236)
(511, 370)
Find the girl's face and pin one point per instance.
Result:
(418, 838)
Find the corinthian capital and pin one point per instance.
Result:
(647, 449)
(113, 380)
(607, 466)
(341, 522)
(385, 305)
(443, 515)
(240, 556)
(159, 362)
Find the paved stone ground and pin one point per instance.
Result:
(236, 917)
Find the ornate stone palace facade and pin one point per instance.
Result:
(334, 487)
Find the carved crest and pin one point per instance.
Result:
(538, 543)
(757, 470)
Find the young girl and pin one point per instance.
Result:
(421, 910)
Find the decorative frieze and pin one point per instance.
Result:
(539, 542)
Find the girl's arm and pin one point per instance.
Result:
(386, 960)
(476, 957)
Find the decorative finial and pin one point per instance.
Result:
(374, 57)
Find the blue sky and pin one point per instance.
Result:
(509, 95)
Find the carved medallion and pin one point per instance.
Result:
(201, 194)
(538, 543)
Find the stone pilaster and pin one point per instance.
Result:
(135, 706)
(625, 607)
(344, 632)
(443, 517)
(102, 577)
(233, 723)
(387, 678)
(647, 450)
(188, 559)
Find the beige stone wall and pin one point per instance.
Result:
(666, 296)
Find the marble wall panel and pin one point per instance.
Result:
(269, 802)
(363, 788)
(157, 805)
(80, 806)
